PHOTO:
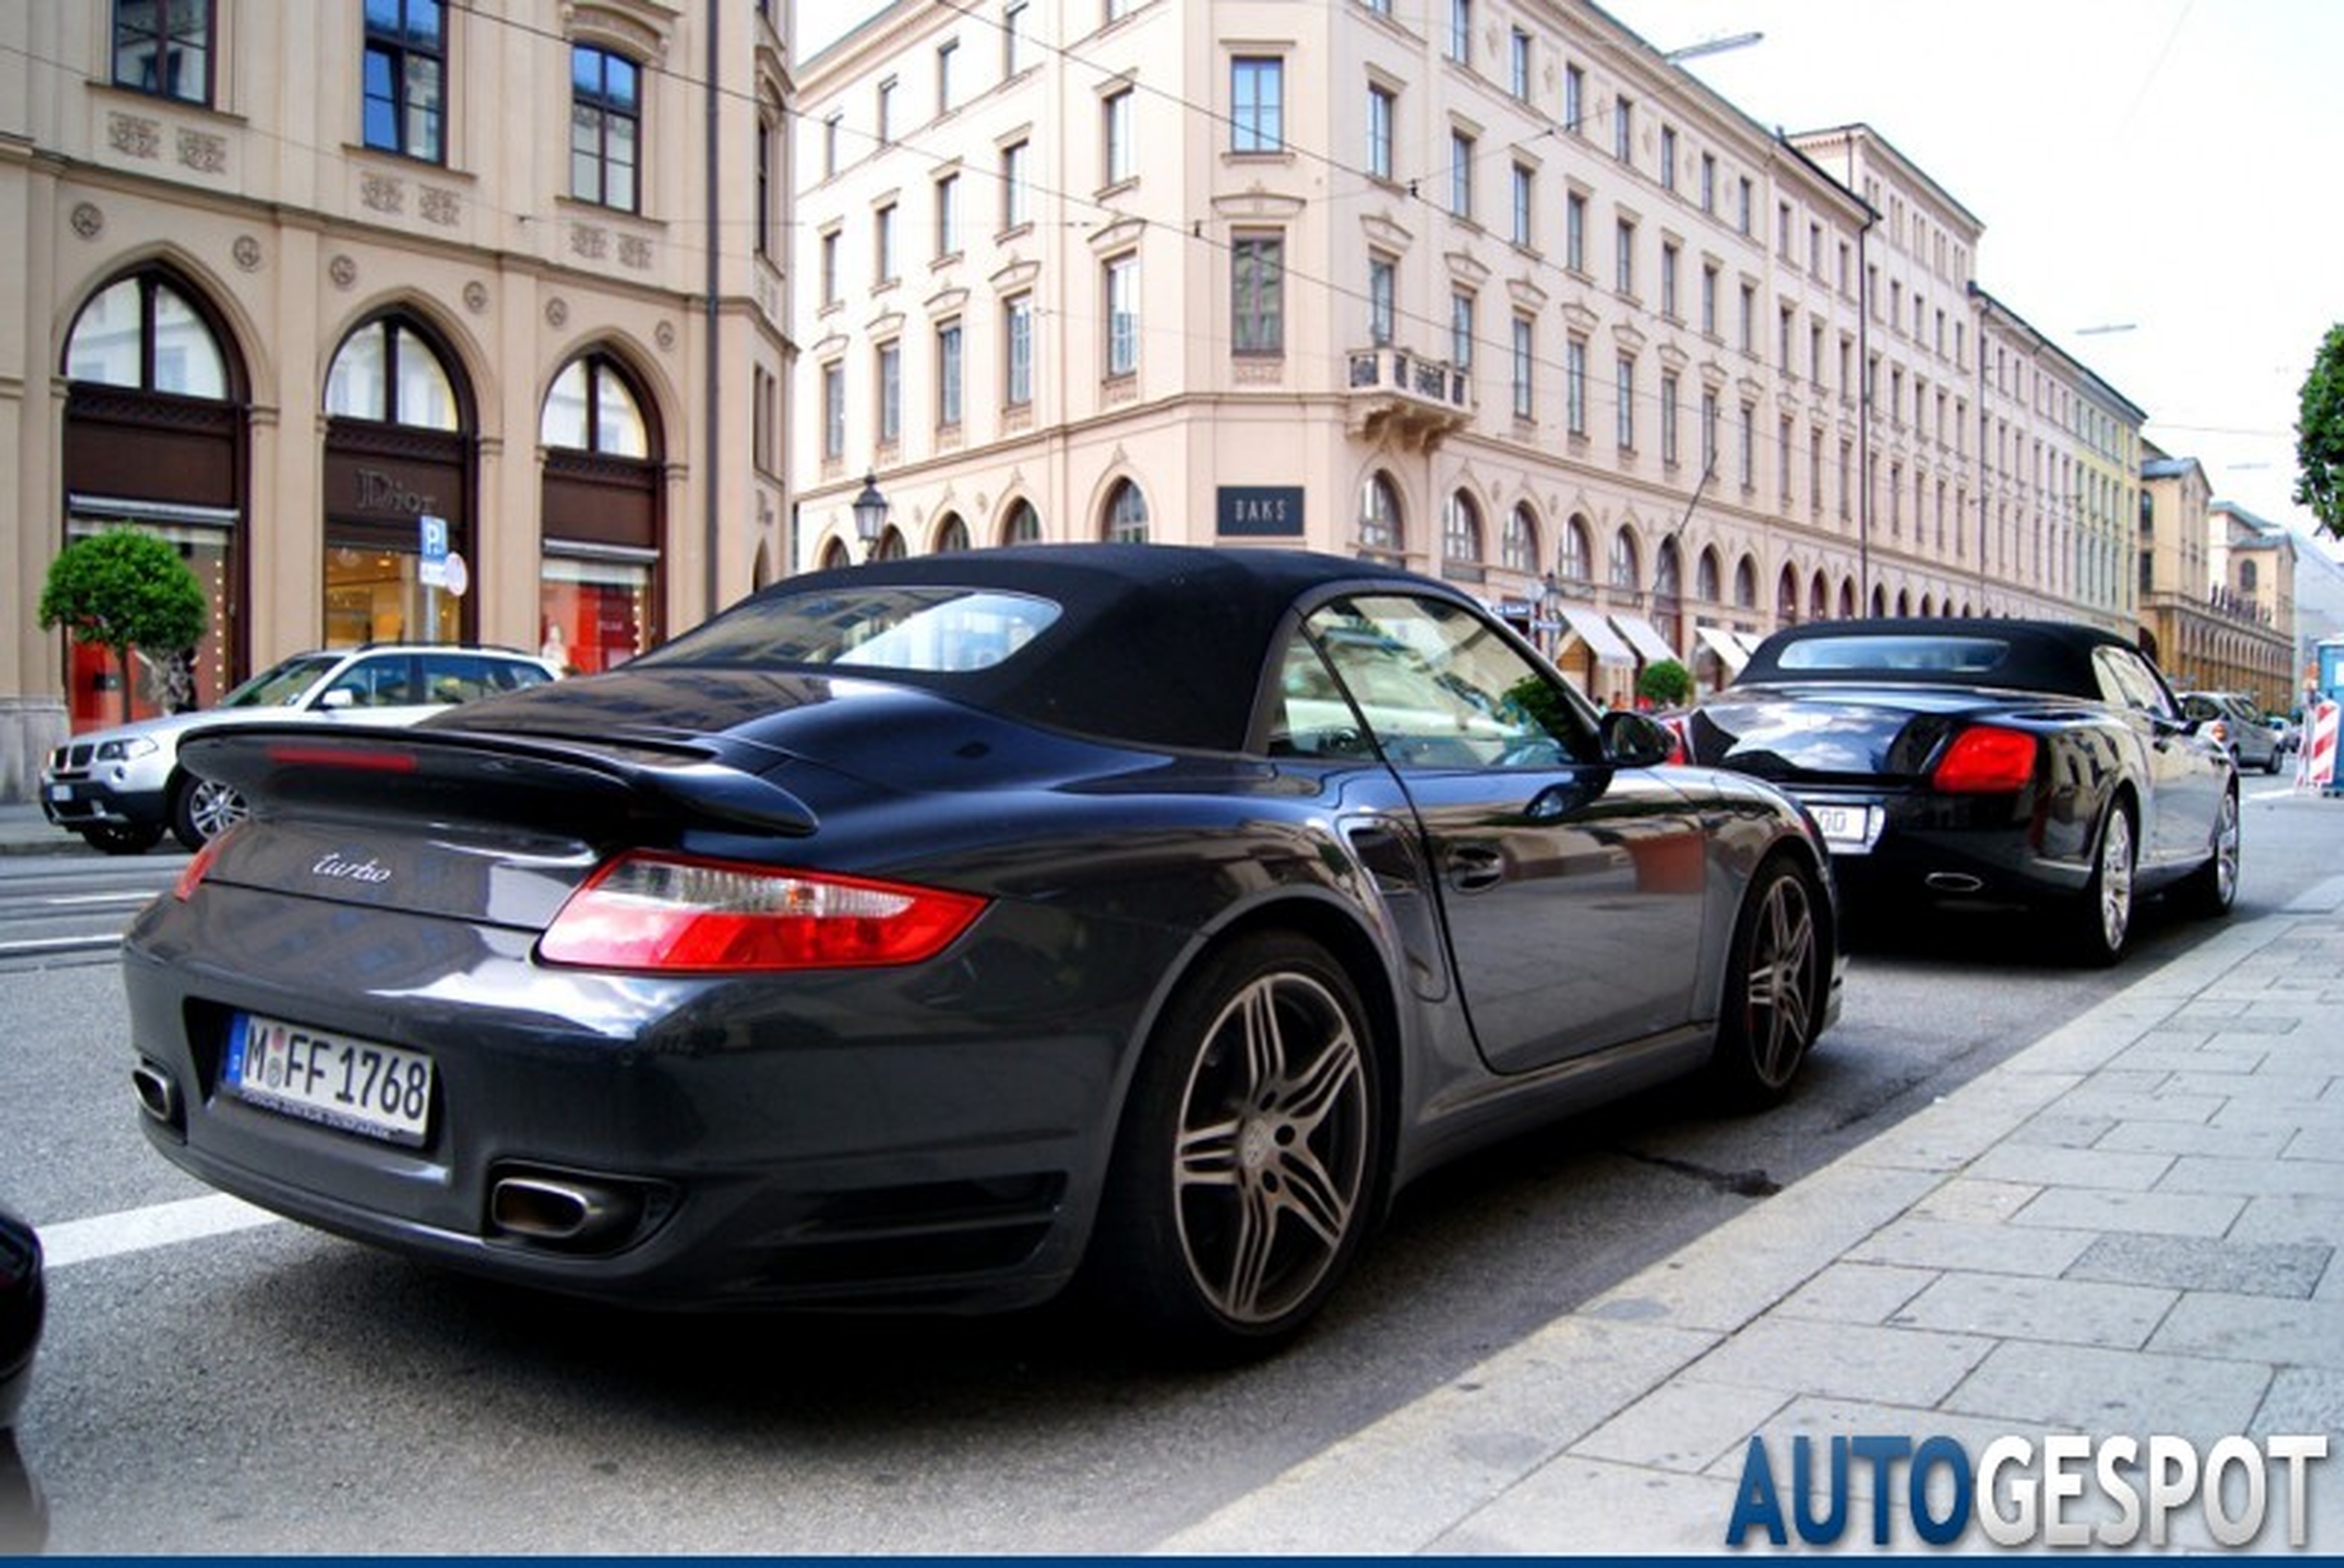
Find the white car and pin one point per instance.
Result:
(121, 788)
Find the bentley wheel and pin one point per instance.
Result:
(2103, 918)
(1775, 995)
(1249, 1165)
(203, 810)
(2213, 887)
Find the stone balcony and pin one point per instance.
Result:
(1415, 400)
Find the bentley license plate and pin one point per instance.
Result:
(357, 1085)
(1848, 829)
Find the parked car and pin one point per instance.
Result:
(23, 1526)
(121, 788)
(2004, 763)
(2289, 734)
(913, 934)
(2231, 719)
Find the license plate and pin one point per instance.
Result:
(61, 792)
(1850, 830)
(357, 1085)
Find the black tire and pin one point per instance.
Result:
(2212, 889)
(1777, 987)
(1251, 1157)
(2100, 923)
(201, 810)
(113, 839)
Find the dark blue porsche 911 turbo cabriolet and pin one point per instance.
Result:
(933, 932)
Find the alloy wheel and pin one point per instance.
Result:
(1778, 998)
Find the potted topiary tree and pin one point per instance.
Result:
(123, 589)
(1665, 684)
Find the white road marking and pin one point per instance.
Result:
(139, 1230)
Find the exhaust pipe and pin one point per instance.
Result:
(157, 1094)
(1952, 882)
(565, 1212)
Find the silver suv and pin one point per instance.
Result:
(2233, 721)
(121, 788)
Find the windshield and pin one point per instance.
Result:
(282, 686)
(926, 629)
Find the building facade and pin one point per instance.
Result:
(2216, 589)
(1497, 291)
(400, 318)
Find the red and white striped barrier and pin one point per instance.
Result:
(2318, 768)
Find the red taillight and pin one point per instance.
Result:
(200, 864)
(1986, 760)
(662, 912)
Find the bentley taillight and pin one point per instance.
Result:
(1985, 761)
(676, 913)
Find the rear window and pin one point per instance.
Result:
(1966, 658)
(935, 630)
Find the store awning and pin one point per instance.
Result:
(1726, 645)
(1592, 630)
(1749, 639)
(1645, 640)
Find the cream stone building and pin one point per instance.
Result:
(281, 279)
(1497, 290)
(2217, 587)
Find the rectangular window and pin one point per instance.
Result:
(164, 47)
(1782, 461)
(1709, 182)
(1122, 316)
(1741, 216)
(1670, 260)
(1461, 32)
(828, 267)
(1624, 257)
(1382, 107)
(1524, 186)
(1623, 129)
(1525, 336)
(831, 124)
(1669, 158)
(1709, 301)
(1383, 289)
(1627, 403)
(764, 194)
(1013, 193)
(1114, 113)
(891, 393)
(948, 216)
(883, 245)
(1669, 396)
(1257, 281)
(1012, 39)
(1749, 318)
(1460, 174)
(1518, 64)
(1574, 99)
(948, 374)
(1461, 332)
(406, 70)
(1784, 331)
(605, 125)
(1749, 433)
(886, 114)
(1574, 386)
(1017, 331)
(1574, 232)
(1256, 104)
(946, 53)
(1709, 432)
(834, 410)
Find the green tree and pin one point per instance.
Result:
(2319, 435)
(123, 590)
(1668, 683)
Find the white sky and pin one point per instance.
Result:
(2168, 165)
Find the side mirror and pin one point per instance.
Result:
(337, 700)
(1635, 740)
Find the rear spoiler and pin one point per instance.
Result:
(535, 781)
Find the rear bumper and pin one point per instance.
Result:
(1980, 850)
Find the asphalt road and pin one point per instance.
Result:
(272, 1389)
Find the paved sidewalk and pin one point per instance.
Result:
(2130, 1228)
(24, 831)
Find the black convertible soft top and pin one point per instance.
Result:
(2019, 655)
(1159, 644)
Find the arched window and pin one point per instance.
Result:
(1787, 597)
(1626, 570)
(890, 545)
(1708, 582)
(1668, 572)
(399, 469)
(1521, 544)
(1746, 584)
(600, 511)
(1127, 514)
(156, 435)
(952, 534)
(1460, 532)
(1022, 526)
(1848, 599)
(1379, 533)
(1576, 562)
(2246, 577)
(835, 555)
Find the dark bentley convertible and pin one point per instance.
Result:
(2000, 762)
(916, 933)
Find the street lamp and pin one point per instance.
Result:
(871, 514)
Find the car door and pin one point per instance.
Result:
(2185, 774)
(1572, 890)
